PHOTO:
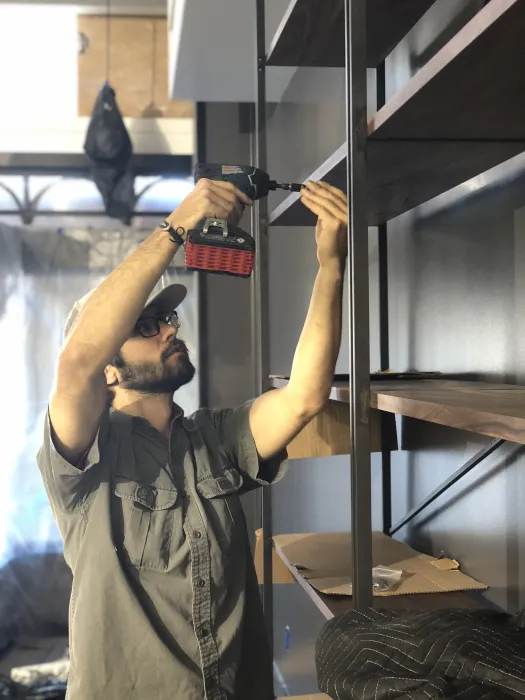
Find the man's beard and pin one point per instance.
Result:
(159, 377)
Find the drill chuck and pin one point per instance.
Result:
(289, 186)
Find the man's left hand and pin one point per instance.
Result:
(330, 206)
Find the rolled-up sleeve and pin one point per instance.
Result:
(233, 425)
(68, 486)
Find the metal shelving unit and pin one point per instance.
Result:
(420, 143)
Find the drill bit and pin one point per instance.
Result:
(289, 186)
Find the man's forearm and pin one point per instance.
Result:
(108, 316)
(318, 348)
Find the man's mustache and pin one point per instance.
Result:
(174, 347)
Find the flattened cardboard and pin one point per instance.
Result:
(325, 561)
(280, 573)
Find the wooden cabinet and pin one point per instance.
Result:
(138, 66)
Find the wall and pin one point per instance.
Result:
(455, 286)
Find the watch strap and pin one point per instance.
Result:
(174, 234)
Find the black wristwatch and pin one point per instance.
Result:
(175, 234)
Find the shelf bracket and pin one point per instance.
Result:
(456, 476)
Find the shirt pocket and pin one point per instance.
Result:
(220, 496)
(145, 526)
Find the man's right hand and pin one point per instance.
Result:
(210, 198)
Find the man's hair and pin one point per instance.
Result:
(117, 361)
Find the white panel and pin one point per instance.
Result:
(212, 51)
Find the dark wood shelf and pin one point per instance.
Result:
(488, 409)
(311, 32)
(496, 410)
(334, 605)
(460, 115)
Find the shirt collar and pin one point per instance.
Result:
(137, 423)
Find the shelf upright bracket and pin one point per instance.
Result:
(260, 300)
(384, 341)
(359, 330)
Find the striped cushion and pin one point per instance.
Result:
(382, 654)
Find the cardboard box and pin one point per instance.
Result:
(281, 574)
(325, 561)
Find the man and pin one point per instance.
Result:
(165, 603)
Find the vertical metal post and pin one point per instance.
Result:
(359, 331)
(386, 456)
(202, 288)
(260, 300)
(384, 339)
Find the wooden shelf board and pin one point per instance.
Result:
(496, 410)
(460, 115)
(335, 605)
(470, 89)
(311, 32)
(402, 174)
(291, 212)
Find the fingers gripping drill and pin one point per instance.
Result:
(217, 246)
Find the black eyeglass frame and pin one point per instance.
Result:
(171, 319)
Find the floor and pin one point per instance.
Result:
(38, 651)
(33, 651)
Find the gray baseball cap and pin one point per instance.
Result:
(168, 299)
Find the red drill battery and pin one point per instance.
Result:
(220, 248)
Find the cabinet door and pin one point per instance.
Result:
(138, 66)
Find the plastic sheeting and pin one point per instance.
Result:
(42, 274)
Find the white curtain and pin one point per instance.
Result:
(42, 274)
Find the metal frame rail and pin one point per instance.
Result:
(359, 329)
(453, 479)
(260, 299)
(358, 286)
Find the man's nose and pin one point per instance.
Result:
(167, 331)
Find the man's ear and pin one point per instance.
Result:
(112, 375)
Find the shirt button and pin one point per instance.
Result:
(204, 632)
(201, 583)
(198, 535)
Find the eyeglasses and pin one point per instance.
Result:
(149, 326)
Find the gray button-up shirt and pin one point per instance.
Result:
(165, 601)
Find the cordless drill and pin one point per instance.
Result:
(216, 245)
